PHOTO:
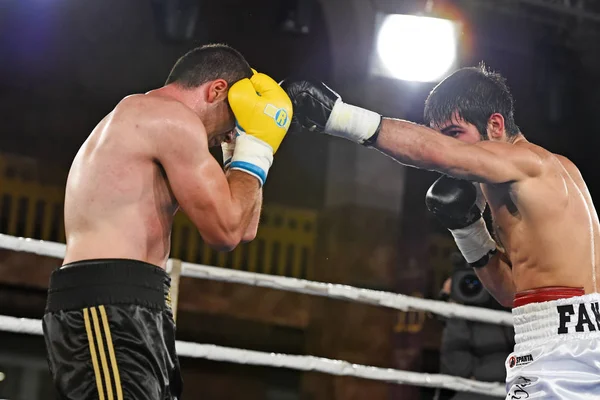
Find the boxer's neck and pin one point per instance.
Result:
(191, 98)
(517, 138)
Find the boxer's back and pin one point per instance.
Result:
(546, 224)
(118, 203)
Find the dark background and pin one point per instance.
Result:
(64, 64)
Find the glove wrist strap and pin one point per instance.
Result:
(227, 149)
(252, 156)
(353, 123)
(474, 242)
(370, 142)
(483, 261)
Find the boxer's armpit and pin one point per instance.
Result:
(504, 258)
(501, 249)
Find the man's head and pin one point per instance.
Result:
(209, 71)
(472, 104)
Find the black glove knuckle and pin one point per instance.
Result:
(312, 102)
(453, 202)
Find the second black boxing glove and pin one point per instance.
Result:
(459, 206)
(318, 108)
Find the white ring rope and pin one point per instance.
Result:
(302, 363)
(368, 296)
(374, 297)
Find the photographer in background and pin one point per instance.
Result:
(472, 349)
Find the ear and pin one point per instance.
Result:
(495, 126)
(217, 90)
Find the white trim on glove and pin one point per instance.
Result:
(351, 122)
(474, 241)
(228, 149)
(252, 156)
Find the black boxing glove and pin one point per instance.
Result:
(459, 206)
(318, 108)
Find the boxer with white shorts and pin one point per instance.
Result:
(547, 233)
(557, 350)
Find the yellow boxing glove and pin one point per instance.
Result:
(263, 113)
(262, 108)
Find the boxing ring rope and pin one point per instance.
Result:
(298, 362)
(336, 291)
(302, 363)
(343, 292)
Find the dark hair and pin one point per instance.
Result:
(474, 93)
(208, 63)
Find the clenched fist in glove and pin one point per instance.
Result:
(318, 108)
(459, 206)
(263, 113)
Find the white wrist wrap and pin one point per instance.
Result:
(351, 122)
(253, 156)
(228, 149)
(474, 241)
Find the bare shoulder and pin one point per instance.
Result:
(551, 159)
(159, 119)
(568, 165)
(155, 108)
(539, 152)
(515, 162)
(520, 149)
(552, 162)
(547, 159)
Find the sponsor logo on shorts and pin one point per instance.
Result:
(517, 361)
(583, 317)
(517, 391)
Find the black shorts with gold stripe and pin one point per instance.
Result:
(110, 333)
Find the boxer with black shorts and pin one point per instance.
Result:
(108, 324)
(544, 265)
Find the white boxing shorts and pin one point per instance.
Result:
(557, 346)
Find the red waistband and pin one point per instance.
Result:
(549, 293)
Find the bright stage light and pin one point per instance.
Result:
(414, 48)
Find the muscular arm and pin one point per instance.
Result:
(487, 162)
(252, 228)
(497, 278)
(220, 206)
